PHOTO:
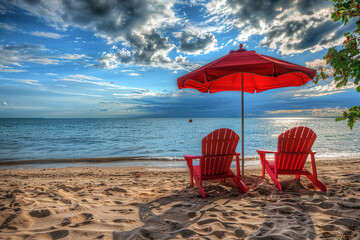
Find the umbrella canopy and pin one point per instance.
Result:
(259, 72)
(245, 71)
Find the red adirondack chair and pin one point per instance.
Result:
(218, 151)
(294, 147)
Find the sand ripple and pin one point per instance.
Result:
(144, 203)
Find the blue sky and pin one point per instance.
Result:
(70, 59)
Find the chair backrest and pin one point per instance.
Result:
(216, 148)
(294, 146)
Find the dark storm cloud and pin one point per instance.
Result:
(110, 18)
(146, 51)
(252, 12)
(306, 34)
(4, 7)
(314, 35)
(149, 49)
(136, 24)
(193, 43)
(309, 7)
(122, 21)
(288, 25)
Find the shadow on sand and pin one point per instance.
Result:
(262, 213)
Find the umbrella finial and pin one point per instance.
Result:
(241, 49)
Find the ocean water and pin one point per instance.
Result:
(28, 139)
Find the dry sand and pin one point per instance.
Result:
(148, 203)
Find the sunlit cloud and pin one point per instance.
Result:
(8, 69)
(138, 95)
(136, 74)
(133, 23)
(288, 26)
(316, 63)
(19, 55)
(320, 63)
(315, 112)
(194, 41)
(8, 27)
(79, 78)
(47, 34)
(321, 90)
(27, 81)
(72, 56)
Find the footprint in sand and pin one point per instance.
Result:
(59, 234)
(174, 225)
(83, 218)
(40, 213)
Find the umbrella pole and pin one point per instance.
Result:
(242, 124)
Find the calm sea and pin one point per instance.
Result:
(26, 139)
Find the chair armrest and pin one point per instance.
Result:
(265, 151)
(312, 152)
(264, 161)
(191, 157)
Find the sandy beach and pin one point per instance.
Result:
(158, 203)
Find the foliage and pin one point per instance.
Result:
(352, 115)
(345, 62)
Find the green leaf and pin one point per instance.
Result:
(358, 89)
(350, 124)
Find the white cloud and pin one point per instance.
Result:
(6, 26)
(315, 112)
(319, 90)
(136, 24)
(289, 26)
(159, 60)
(136, 74)
(316, 63)
(8, 69)
(17, 55)
(72, 56)
(138, 95)
(47, 34)
(194, 41)
(28, 81)
(96, 81)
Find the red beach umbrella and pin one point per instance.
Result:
(245, 71)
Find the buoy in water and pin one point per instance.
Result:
(190, 120)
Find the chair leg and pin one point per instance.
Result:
(316, 182)
(298, 177)
(240, 184)
(273, 177)
(191, 178)
(313, 176)
(263, 171)
(199, 185)
(190, 165)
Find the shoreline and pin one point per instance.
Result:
(167, 162)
